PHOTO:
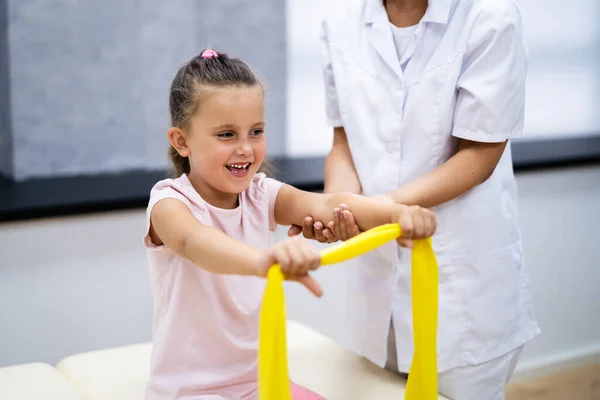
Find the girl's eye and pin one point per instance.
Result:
(257, 132)
(225, 135)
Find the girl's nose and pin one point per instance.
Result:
(244, 149)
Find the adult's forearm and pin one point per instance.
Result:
(340, 173)
(472, 165)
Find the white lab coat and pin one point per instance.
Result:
(465, 78)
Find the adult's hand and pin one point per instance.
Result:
(343, 225)
(313, 230)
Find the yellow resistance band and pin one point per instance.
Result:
(273, 375)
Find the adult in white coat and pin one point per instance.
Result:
(423, 98)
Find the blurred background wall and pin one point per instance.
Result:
(88, 81)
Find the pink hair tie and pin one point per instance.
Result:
(209, 54)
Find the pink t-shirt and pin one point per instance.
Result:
(205, 330)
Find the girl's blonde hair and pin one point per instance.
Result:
(186, 92)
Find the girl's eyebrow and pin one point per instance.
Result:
(225, 126)
(233, 126)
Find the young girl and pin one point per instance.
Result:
(208, 233)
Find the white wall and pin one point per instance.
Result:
(563, 80)
(307, 132)
(74, 284)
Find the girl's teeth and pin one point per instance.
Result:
(239, 166)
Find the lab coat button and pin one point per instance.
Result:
(390, 147)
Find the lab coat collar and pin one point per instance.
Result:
(438, 11)
(380, 36)
(373, 8)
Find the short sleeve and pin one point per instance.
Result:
(162, 190)
(332, 110)
(491, 89)
(272, 186)
(267, 189)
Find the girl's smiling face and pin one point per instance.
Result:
(224, 142)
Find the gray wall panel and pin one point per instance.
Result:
(6, 148)
(89, 79)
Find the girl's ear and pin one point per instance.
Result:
(179, 141)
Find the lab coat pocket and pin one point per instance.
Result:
(451, 311)
(492, 293)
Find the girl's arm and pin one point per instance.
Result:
(472, 165)
(292, 205)
(173, 225)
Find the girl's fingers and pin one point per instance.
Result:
(431, 223)
(312, 259)
(419, 223)
(406, 223)
(296, 255)
(310, 283)
(408, 243)
(281, 256)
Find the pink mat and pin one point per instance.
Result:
(302, 393)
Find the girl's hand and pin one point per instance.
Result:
(343, 225)
(416, 223)
(313, 230)
(296, 257)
